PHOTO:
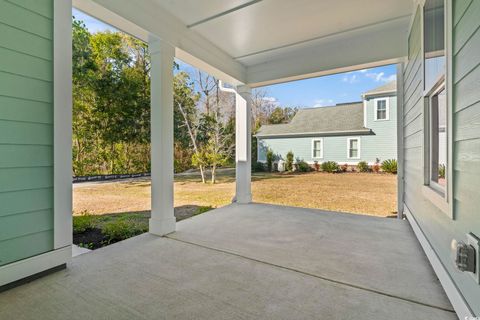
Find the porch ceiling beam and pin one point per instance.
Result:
(403, 18)
(224, 13)
(141, 18)
(372, 46)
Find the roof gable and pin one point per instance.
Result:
(324, 120)
(390, 87)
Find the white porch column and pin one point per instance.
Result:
(162, 220)
(243, 119)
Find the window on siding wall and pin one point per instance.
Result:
(317, 148)
(438, 139)
(438, 187)
(354, 148)
(434, 42)
(381, 109)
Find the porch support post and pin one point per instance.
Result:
(162, 220)
(243, 119)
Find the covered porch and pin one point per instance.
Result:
(249, 261)
(244, 261)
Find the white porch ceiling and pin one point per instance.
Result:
(270, 24)
(274, 40)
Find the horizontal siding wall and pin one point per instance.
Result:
(437, 226)
(26, 128)
(382, 144)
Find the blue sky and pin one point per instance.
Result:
(315, 92)
(329, 90)
(93, 25)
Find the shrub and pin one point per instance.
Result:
(344, 167)
(121, 230)
(316, 166)
(258, 167)
(270, 158)
(84, 222)
(289, 161)
(362, 166)
(441, 171)
(376, 168)
(390, 166)
(330, 166)
(303, 166)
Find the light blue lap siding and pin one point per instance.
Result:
(382, 144)
(26, 129)
(437, 226)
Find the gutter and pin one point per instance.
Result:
(392, 93)
(224, 89)
(310, 134)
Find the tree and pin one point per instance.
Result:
(185, 102)
(289, 161)
(281, 115)
(111, 102)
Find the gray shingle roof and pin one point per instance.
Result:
(387, 88)
(335, 120)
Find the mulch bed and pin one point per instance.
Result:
(94, 238)
(90, 239)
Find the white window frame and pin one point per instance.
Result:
(321, 148)
(387, 109)
(434, 185)
(444, 201)
(359, 147)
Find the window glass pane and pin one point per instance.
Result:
(353, 149)
(434, 29)
(381, 110)
(439, 138)
(382, 105)
(353, 144)
(381, 115)
(317, 147)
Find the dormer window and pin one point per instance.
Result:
(381, 109)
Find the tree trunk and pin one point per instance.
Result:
(202, 173)
(214, 167)
(193, 138)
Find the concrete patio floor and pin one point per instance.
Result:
(246, 262)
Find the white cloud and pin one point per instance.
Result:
(323, 103)
(271, 100)
(381, 76)
(350, 78)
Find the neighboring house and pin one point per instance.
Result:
(345, 133)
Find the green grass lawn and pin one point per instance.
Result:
(119, 210)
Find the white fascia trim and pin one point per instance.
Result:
(347, 51)
(456, 298)
(62, 128)
(359, 148)
(321, 148)
(365, 112)
(142, 18)
(309, 134)
(24, 268)
(450, 111)
(381, 93)
(375, 108)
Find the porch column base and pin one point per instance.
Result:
(162, 227)
(243, 198)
